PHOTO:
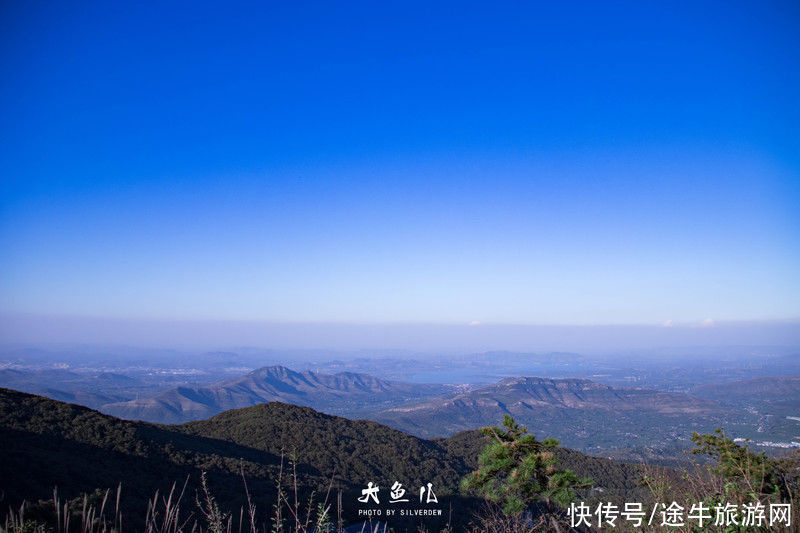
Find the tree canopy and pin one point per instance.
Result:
(515, 469)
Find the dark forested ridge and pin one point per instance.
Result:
(49, 443)
(351, 450)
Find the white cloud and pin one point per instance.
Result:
(707, 323)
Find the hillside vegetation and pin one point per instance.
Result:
(51, 444)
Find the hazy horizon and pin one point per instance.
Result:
(463, 338)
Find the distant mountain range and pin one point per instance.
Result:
(621, 422)
(346, 393)
(581, 413)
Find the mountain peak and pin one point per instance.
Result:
(278, 371)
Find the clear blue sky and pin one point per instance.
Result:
(526, 163)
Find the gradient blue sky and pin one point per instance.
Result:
(539, 163)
